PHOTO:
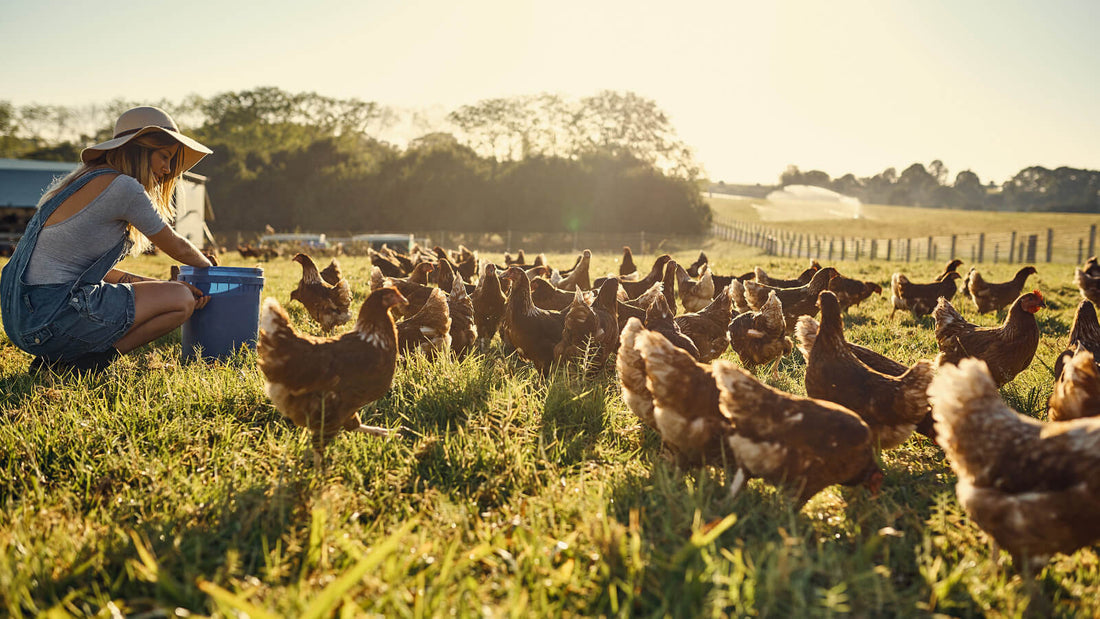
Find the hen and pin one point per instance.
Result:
(463, 327)
(321, 383)
(534, 332)
(694, 295)
(801, 301)
(548, 296)
(630, 367)
(695, 269)
(950, 267)
(803, 444)
(1033, 487)
(1007, 349)
(429, 329)
(580, 327)
(327, 304)
(685, 403)
(892, 406)
(578, 278)
(606, 306)
(920, 299)
(627, 269)
(989, 297)
(761, 337)
(708, 328)
(850, 292)
(1085, 333)
(332, 273)
(1088, 280)
(488, 300)
(634, 289)
(659, 318)
(803, 278)
(1077, 390)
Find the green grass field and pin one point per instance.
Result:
(161, 489)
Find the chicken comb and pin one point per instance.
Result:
(1038, 294)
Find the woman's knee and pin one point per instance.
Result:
(183, 301)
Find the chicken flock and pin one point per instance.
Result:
(1033, 486)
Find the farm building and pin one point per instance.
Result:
(22, 183)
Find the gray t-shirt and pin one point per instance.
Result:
(65, 250)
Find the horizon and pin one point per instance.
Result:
(841, 88)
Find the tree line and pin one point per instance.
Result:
(606, 163)
(1034, 188)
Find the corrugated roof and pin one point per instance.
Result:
(28, 164)
(23, 181)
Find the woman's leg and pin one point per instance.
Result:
(159, 307)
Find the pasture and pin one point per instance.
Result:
(160, 488)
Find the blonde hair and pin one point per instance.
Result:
(133, 159)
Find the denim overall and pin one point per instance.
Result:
(65, 321)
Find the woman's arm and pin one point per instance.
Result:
(118, 276)
(179, 248)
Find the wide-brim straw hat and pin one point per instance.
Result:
(139, 121)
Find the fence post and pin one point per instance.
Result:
(1092, 241)
(996, 252)
(1020, 254)
(1080, 250)
(1012, 248)
(641, 241)
(889, 248)
(859, 246)
(954, 238)
(874, 249)
(981, 248)
(1032, 246)
(929, 248)
(1050, 243)
(908, 249)
(843, 248)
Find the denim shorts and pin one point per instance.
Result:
(94, 318)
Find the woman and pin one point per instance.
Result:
(61, 296)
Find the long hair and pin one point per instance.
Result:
(132, 159)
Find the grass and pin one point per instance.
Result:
(162, 488)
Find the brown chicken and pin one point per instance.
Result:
(668, 286)
(627, 269)
(761, 337)
(332, 273)
(327, 304)
(806, 334)
(606, 306)
(414, 288)
(321, 383)
(463, 327)
(685, 403)
(429, 329)
(737, 297)
(708, 328)
(488, 299)
(578, 278)
(1088, 280)
(388, 267)
(920, 299)
(802, 444)
(892, 406)
(1007, 349)
(1077, 390)
(444, 274)
(548, 296)
(950, 267)
(801, 301)
(989, 297)
(580, 327)
(534, 332)
(850, 292)
(633, 289)
(694, 295)
(1085, 333)
(803, 278)
(630, 367)
(1034, 487)
(520, 259)
(659, 318)
(695, 269)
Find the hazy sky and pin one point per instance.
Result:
(752, 86)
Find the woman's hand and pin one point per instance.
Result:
(200, 299)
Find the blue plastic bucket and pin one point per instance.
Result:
(232, 316)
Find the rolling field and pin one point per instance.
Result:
(160, 489)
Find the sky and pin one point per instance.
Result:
(752, 87)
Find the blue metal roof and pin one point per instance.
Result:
(23, 182)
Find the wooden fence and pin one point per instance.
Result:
(1012, 247)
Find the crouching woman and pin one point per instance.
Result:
(61, 297)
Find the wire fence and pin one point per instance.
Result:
(1050, 245)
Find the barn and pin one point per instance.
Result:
(22, 183)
